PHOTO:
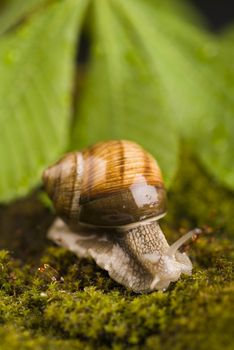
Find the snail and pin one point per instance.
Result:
(109, 198)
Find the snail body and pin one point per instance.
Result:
(109, 198)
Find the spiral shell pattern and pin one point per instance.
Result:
(109, 184)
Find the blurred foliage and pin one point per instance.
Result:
(153, 74)
(14, 11)
(36, 79)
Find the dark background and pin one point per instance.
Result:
(218, 13)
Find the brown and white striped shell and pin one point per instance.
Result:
(112, 183)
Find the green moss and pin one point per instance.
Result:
(72, 304)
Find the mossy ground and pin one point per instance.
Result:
(85, 309)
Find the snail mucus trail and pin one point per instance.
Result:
(109, 198)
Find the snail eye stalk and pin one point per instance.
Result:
(177, 244)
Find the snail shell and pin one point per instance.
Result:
(109, 198)
(110, 184)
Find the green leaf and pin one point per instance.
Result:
(215, 141)
(36, 66)
(195, 75)
(207, 117)
(123, 96)
(14, 10)
(161, 32)
(178, 8)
